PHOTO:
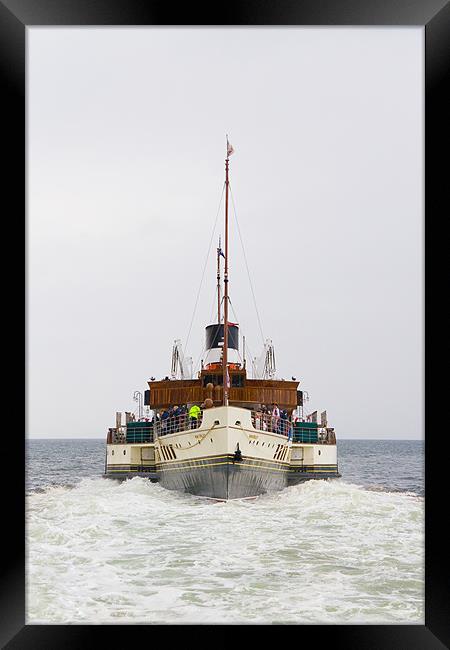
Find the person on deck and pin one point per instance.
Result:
(183, 417)
(171, 420)
(264, 418)
(275, 418)
(164, 421)
(176, 418)
(194, 414)
(290, 431)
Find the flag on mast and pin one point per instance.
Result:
(230, 149)
(220, 251)
(228, 378)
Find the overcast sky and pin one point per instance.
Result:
(126, 147)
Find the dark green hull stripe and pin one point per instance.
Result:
(207, 461)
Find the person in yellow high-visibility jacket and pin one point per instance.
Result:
(194, 414)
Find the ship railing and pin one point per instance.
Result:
(162, 427)
(271, 423)
(117, 435)
(294, 430)
(175, 424)
(319, 435)
(125, 435)
(260, 421)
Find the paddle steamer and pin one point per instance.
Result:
(251, 434)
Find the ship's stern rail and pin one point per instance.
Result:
(133, 432)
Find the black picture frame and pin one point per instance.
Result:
(15, 16)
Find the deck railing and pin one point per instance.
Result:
(176, 423)
(272, 423)
(298, 431)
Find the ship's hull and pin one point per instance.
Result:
(226, 458)
(223, 477)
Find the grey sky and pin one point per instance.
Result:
(126, 145)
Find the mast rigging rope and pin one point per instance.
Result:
(204, 268)
(246, 264)
(215, 333)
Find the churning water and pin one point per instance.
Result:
(344, 551)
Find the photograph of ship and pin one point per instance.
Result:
(254, 448)
(225, 326)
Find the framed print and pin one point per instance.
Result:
(296, 147)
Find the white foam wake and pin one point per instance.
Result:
(322, 552)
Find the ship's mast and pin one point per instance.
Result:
(225, 281)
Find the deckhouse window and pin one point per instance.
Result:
(216, 380)
(237, 381)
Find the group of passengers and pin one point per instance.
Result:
(272, 419)
(178, 418)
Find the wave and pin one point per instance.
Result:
(104, 551)
(99, 481)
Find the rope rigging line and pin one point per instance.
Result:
(238, 321)
(204, 269)
(215, 333)
(204, 348)
(246, 264)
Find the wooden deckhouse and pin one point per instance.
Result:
(243, 391)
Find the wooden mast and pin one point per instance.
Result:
(225, 280)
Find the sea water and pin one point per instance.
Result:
(346, 551)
